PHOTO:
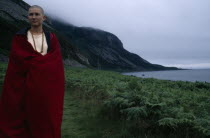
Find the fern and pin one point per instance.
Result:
(135, 113)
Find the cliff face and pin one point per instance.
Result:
(103, 49)
(80, 46)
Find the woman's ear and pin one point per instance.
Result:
(44, 18)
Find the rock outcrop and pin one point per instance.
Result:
(104, 50)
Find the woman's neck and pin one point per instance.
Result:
(36, 30)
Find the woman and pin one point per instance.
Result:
(31, 104)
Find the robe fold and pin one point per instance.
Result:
(31, 104)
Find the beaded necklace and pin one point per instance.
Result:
(42, 41)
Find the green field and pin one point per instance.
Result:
(105, 104)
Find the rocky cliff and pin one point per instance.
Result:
(104, 50)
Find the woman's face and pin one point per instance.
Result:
(35, 17)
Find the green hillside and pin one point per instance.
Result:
(107, 104)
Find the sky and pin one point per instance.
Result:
(166, 32)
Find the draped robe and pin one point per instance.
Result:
(31, 104)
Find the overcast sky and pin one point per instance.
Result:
(166, 32)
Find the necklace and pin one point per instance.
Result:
(34, 41)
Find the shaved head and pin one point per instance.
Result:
(36, 6)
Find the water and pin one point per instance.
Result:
(202, 75)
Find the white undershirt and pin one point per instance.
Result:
(38, 42)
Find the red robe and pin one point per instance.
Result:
(31, 104)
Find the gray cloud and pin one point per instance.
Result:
(163, 32)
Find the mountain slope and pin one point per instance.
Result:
(80, 46)
(104, 50)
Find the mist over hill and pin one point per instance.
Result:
(81, 46)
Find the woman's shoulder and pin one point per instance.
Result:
(23, 31)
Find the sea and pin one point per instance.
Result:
(193, 75)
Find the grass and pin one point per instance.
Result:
(81, 119)
(105, 104)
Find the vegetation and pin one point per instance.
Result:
(108, 104)
(8, 28)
